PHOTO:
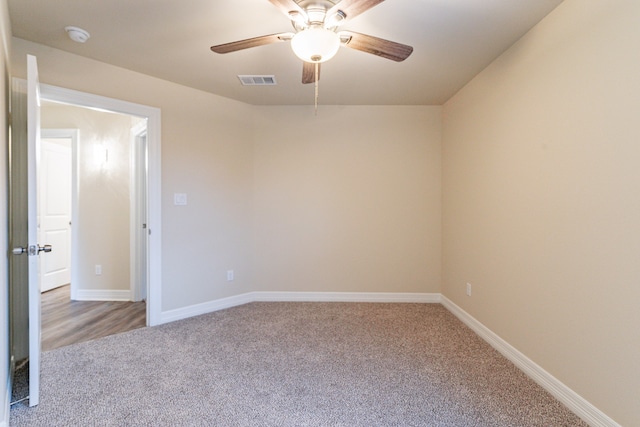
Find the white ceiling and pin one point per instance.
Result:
(453, 40)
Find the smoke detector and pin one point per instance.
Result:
(77, 34)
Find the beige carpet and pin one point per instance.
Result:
(292, 364)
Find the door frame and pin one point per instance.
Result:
(154, 224)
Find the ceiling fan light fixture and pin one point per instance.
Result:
(335, 20)
(298, 18)
(315, 44)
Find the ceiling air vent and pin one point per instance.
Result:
(258, 80)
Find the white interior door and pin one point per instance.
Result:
(139, 219)
(33, 139)
(54, 204)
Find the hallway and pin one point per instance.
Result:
(66, 322)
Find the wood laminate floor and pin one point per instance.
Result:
(66, 322)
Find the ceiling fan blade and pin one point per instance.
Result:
(253, 42)
(287, 6)
(352, 8)
(376, 46)
(309, 72)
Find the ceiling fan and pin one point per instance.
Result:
(316, 38)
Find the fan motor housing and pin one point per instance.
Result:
(316, 11)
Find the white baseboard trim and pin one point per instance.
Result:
(576, 403)
(208, 307)
(347, 297)
(102, 295)
(204, 308)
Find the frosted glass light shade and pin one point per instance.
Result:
(315, 44)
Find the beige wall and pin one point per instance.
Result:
(541, 207)
(104, 193)
(5, 40)
(348, 200)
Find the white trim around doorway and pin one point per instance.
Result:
(152, 114)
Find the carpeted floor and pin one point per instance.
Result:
(292, 364)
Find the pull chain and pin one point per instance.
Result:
(316, 104)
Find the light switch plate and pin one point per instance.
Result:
(180, 199)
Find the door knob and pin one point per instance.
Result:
(32, 250)
(45, 248)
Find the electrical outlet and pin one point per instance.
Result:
(229, 275)
(98, 270)
(469, 289)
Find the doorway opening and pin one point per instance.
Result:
(88, 170)
(143, 203)
(89, 165)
